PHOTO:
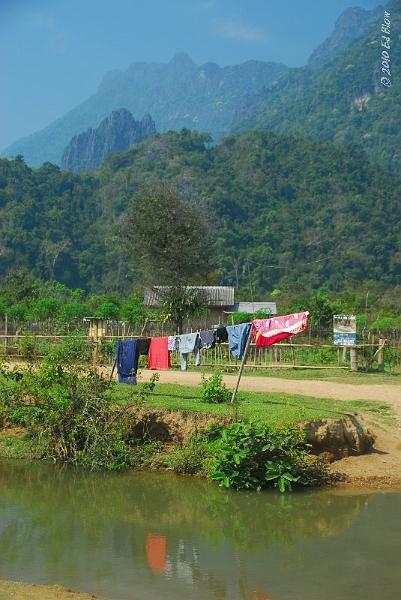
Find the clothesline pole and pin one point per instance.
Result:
(244, 357)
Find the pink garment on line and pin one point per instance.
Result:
(270, 331)
(159, 356)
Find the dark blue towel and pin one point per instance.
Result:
(127, 356)
(237, 337)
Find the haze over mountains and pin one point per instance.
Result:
(178, 94)
(182, 94)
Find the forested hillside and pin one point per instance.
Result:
(341, 101)
(284, 211)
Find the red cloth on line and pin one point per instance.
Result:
(270, 331)
(159, 356)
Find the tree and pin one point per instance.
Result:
(179, 303)
(168, 238)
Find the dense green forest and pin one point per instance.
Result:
(284, 212)
(342, 101)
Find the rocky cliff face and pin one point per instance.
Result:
(351, 24)
(116, 133)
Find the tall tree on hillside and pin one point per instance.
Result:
(168, 238)
(170, 243)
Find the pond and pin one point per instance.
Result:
(145, 536)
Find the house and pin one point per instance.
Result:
(220, 304)
(253, 307)
(219, 300)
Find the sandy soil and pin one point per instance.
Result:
(15, 590)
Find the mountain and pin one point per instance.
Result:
(350, 25)
(178, 94)
(343, 101)
(116, 133)
(283, 210)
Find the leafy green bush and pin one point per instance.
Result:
(17, 312)
(250, 455)
(46, 308)
(66, 405)
(73, 311)
(107, 310)
(241, 317)
(134, 311)
(213, 390)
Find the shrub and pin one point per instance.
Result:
(191, 458)
(134, 311)
(250, 455)
(213, 390)
(66, 406)
(17, 312)
(107, 310)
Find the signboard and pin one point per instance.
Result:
(344, 328)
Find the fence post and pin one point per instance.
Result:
(354, 359)
(380, 356)
(95, 339)
(5, 333)
(244, 356)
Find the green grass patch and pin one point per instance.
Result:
(268, 407)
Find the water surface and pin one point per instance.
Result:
(149, 536)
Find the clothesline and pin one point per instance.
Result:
(265, 332)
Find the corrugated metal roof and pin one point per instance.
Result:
(252, 307)
(216, 295)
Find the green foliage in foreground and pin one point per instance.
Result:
(252, 455)
(68, 410)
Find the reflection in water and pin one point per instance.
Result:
(156, 552)
(143, 536)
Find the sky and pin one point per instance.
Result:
(54, 53)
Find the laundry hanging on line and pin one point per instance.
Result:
(189, 343)
(159, 356)
(221, 335)
(127, 357)
(208, 339)
(237, 338)
(267, 332)
(143, 345)
(172, 343)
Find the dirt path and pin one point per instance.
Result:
(17, 590)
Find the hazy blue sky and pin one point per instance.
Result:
(53, 53)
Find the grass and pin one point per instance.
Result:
(270, 407)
